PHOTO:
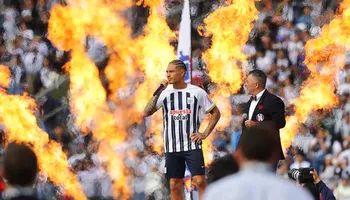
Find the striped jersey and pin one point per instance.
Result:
(183, 112)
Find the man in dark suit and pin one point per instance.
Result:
(263, 107)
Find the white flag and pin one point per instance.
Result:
(184, 44)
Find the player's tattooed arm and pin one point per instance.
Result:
(214, 118)
(151, 106)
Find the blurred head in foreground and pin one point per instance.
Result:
(258, 143)
(20, 165)
(222, 167)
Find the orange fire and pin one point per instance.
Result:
(87, 95)
(115, 171)
(92, 113)
(154, 54)
(229, 27)
(100, 20)
(223, 104)
(325, 56)
(21, 126)
(5, 76)
(151, 3)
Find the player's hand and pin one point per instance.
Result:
(315, 175)
(198, 137)
(250, 123)
(164, 82)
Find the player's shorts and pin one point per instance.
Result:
(175, 163)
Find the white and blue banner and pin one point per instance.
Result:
(184, 42)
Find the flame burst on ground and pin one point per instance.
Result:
(87, 95)
(21, 126)
(229, 27)
(325, 56)
(154, 54)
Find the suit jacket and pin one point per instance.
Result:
(270, 108)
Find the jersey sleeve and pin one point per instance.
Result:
(205, 101)
(160, 101)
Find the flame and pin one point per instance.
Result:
(92, 113)
(119, 5)
(325, 56)
(151, 3)
(97, 19)
(21, 126)
(224, 106)
(154, 54)
(207, 146)
(229, 27)
(117, 173)
(87, 95)
(155, 128)
(5, 76)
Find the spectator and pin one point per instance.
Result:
(319, 148)
(327, 175)
(342, 192)
(343, 126)
(4, 55)
(285, 9)
(299, 161)
(295, 46)
(222, 167)
(17, 75)
(256, 149)
(327, 194)
(344, 88)
(306, 18)
(317, 8)
(282, 171)
(303, 139)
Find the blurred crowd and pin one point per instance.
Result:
(275, 45)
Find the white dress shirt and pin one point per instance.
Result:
(254, 103)
(255, 181)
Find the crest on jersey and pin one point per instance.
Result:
(260, 117)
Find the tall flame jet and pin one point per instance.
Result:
(87, 95)
(229, 27)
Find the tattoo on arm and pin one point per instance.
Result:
(215, 116)
(151, 106)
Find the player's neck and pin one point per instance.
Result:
(180, 85)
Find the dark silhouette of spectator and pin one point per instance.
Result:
(222, 167)
(21, 168)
